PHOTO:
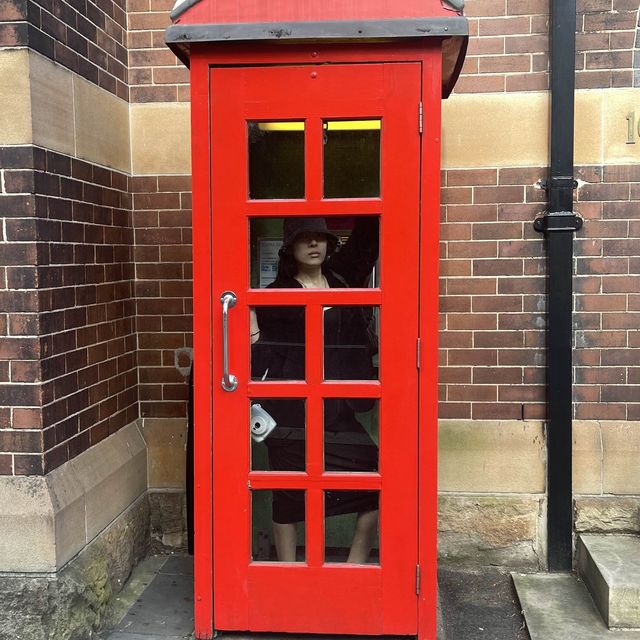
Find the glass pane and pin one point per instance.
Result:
(276, 160)
(277, 337)
(350, 254)
(352, 158)
(351, 527)
(277, 526)
(351, 434)
(277, 428)
(351, 343)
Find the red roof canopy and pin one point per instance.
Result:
(242, 11)
(201, 21)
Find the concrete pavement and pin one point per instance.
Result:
(157, 604)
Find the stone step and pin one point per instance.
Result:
(610, 567)
(557, 606)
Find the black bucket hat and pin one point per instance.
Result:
(293, 227)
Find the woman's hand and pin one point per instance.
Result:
(254, 329)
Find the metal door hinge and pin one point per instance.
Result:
(417, 579)
(418, 353)
(420, 117)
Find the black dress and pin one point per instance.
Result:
(348, 348)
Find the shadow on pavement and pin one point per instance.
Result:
(479, 605)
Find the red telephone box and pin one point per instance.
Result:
(316, 172)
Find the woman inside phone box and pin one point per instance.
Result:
(309, 259)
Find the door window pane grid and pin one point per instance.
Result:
(325, 539)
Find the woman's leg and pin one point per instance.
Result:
(284, 535)
(363, 537)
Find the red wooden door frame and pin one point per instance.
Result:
(205, 304)
(318, 598)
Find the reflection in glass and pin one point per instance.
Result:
(276, 160)
(351, 343)
(277, 337)
(351, 527)
(283, 448)
(351, 434)
(355, 260)
(352, 158)
(266, 513)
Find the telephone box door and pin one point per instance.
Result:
(316, 525)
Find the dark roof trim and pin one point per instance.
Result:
(459, 45)
(326, 30)
(179, 10)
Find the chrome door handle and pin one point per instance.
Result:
(229, 381)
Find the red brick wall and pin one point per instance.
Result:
(492, 295)
(162, 220)
(493, 283)
(607, 301)
(156, 75)
(68, 360)
(86, 36)
(508, 50)
(21, 442)
(68, 363)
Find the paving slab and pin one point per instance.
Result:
(164, 609)
(178, 564)
(610, 567)
(557, 606)
(141, 577)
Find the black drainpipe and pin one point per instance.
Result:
(559, 224)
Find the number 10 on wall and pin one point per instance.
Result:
(631, 127)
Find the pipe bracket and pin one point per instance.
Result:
(559, 182)
(558, 221)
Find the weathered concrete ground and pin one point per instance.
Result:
(158, 601)
(479, 605)
(474, 605)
